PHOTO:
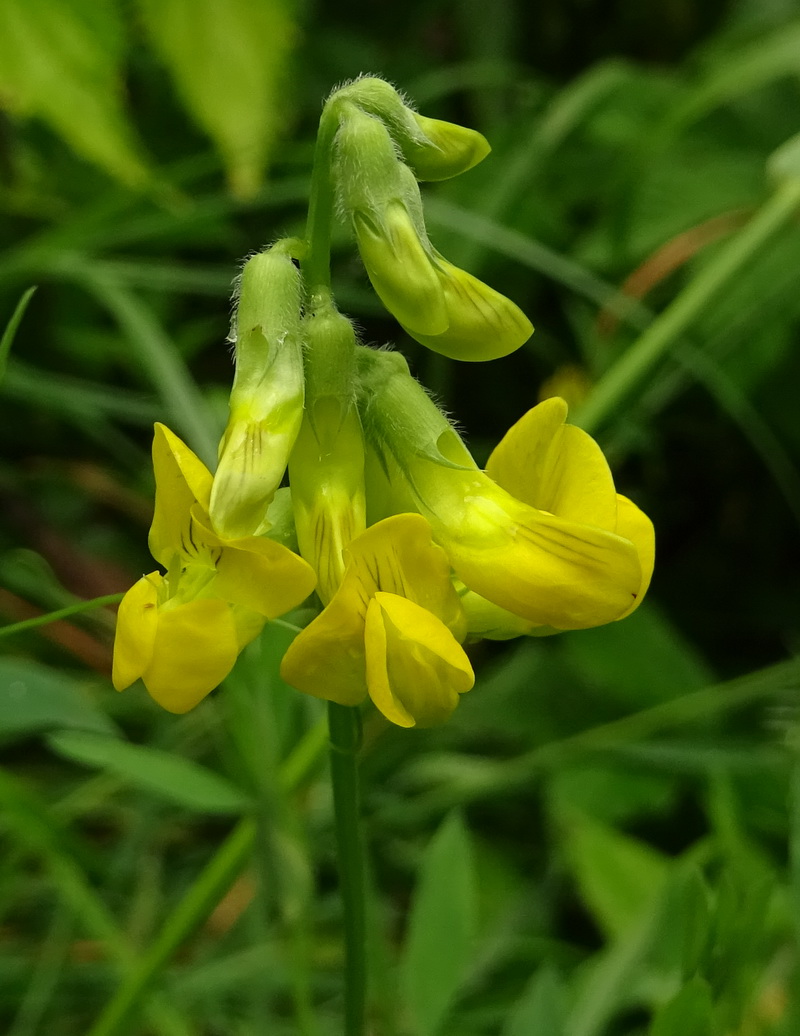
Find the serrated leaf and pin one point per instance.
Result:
(168, 776)
(59, 61)
(442, 926)
(618, 876)
(540, 1011)
(35, 698)
(689, 1013)
(228, 61)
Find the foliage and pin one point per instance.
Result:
(605, 839)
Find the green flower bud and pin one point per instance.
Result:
(266, 402)
(381, 197)
(435, 150)
(326, 468)
(442, 307)
(330, 367)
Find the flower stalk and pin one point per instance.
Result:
(344, 731)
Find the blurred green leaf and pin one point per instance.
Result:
(7, 339)
(441, 927)
(618, 876)
(689, 1013)
(229, 65)
(641, 662)
(540, 1010)
(34, 698)
(607, 793)
(60, 61)
(168, 776)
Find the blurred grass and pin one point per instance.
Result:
(604, 840)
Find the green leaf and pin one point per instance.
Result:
(34, 698)
(540, 1011)
(442, 926)
(641, 662)
(228, 61)
(168, 776)
(619, 877)
(11, 329)
(59, 61)
(689, 1013)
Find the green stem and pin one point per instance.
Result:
(344, 731)
(652, 345)
(317, 266)
(62, 613)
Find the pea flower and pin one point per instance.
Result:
(182, 631)
(542, 533)
(391, 631)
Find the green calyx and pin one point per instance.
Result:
(401, 419)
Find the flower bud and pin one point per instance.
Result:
(381, 197)
(266, 402)
(326, 468)
(434, 150)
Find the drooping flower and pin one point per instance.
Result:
(542, 533)
(392, 630)
(182, 631)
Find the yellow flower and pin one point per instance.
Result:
(542, 534)
(391, 631)
(181, 632)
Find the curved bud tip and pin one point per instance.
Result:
(482, 323)
(446, 149)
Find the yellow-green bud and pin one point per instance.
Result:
(266, 402)
(380, 195)
(435, 150)
(330, 367)
(482, 323)
(327, 484)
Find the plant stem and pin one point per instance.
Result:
(62, 613)
(652, 345)
(317, 266)
(344, 731)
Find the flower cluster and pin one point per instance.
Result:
(409, 548)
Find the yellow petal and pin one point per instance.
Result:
(181, 481)
(398, 556)
(326, 659)
(555, 467)
(545, 569)
(415, 667)
(491, 622)
(263, 575)
(635, 526)
(482, 324)
(137, 619)
(194, 650)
